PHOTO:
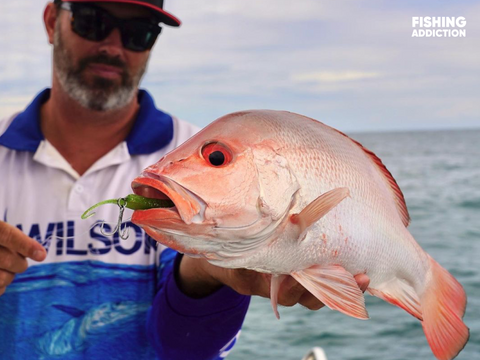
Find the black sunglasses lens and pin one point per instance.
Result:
(95, 24)
(139, 36)
(91, 23)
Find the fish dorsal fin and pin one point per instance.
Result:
(397, 193)
(335, 287)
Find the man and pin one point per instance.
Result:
(90, 294)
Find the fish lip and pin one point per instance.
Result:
(189, 207)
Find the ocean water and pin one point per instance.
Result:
(439, 173)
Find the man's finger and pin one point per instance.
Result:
(6, 278)
(363, 281)
(249, 282)
(16, 241)
(310, 301)
(12, 261)
(290, 292)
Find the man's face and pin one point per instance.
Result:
(99, 75)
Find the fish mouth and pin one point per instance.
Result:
(188, 207)
(182, 227)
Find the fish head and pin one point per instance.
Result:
(228, 185)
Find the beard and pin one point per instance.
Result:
(99, 94)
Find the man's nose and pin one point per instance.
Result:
(112, 44)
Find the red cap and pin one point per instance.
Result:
(156, 5)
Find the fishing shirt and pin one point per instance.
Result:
(97, 296)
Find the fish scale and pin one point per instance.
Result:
(296, 197)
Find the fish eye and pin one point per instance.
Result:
(216, 154)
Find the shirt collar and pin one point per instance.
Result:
(24, 132)
(153, 129)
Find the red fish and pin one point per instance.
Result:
(284, 194)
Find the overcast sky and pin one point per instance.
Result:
(352, 64)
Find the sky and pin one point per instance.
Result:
(352, 64)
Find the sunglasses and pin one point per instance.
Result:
(95, 24)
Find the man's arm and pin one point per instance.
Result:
(194, 315)
(194, 327)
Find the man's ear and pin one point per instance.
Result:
(50, 19)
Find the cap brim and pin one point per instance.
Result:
(163, 16)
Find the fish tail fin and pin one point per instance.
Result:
(443, 306)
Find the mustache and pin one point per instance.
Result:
(101, 59)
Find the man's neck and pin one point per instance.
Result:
(80, 135)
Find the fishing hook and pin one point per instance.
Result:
(123, 234)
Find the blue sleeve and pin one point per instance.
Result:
(180, 327)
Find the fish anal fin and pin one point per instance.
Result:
(443, 307)
(335, 287)
(399, 293)
(319, 207)
(274, 288)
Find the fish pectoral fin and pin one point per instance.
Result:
(274, 288)
(335, 287)
(319, 208)
(397, 292)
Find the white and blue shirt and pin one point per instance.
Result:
(97, 296)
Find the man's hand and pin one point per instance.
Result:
(198, 278)
(15, 247)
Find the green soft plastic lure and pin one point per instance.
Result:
(131, 201)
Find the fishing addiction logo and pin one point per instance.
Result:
(441, 26)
